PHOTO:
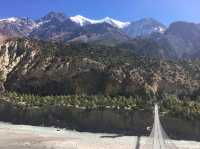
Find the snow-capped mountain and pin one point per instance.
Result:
(183, 37)
(58, 26)
(85, 21)
(144, 27)
(23, 22)
(16, 27)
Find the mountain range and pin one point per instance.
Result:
(57, 26)
(146, 37)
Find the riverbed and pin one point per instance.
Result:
(31, 137)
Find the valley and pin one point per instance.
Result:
(100, 76)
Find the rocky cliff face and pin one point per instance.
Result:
(48, 68)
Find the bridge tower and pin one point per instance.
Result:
(158, 138)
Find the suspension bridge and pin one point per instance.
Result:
(158, 138)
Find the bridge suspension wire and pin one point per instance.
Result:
(158, 138)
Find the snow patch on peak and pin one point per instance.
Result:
(162, 30)
(159, 29)
(85, 21)
(116, 23)
(10, 20)
(81, 20)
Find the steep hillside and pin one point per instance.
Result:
(182, 38)
(31, 66)
(150, 48)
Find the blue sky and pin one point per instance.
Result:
(165, 11)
